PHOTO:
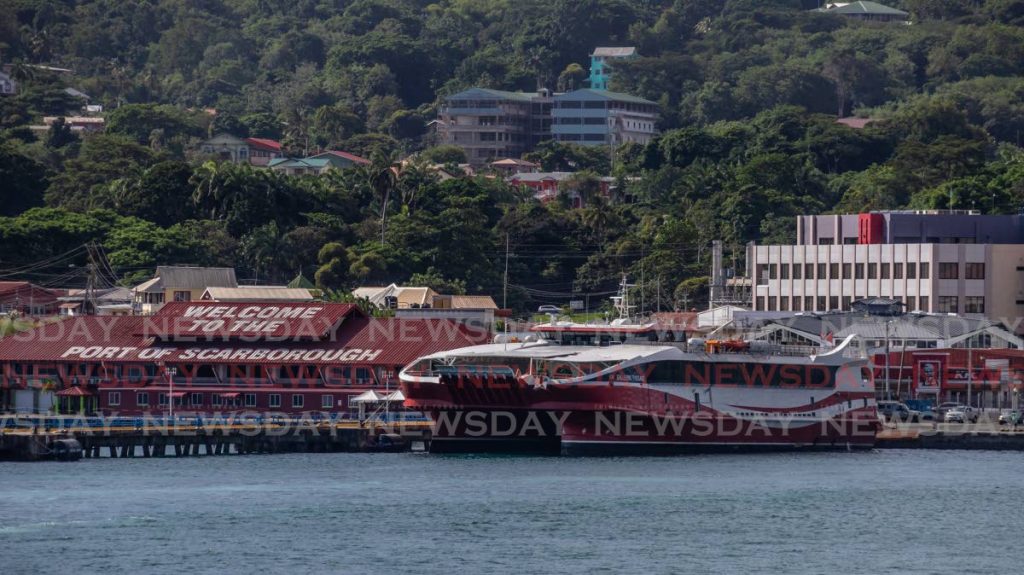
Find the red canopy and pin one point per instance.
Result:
(178, 394)
(231, 395)
(74, 392)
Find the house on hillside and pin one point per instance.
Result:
(113, 301)
(510, 166)
(254, 151)
(317, 164)
(602, 56)
(25, 298)
(865, 10)
(243, 294)
(592, 117)
(179, 283)
(547, 185)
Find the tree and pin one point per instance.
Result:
(24, 182)
(334, 266)
(444, 154)
(60, 134)
(571, 78)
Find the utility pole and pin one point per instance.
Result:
(504, 289)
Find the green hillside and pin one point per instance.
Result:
(749, 92)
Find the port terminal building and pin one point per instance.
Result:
(287, 358)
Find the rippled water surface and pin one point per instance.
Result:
(877, 512)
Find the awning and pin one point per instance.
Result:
(231, 395)
(74, 391)
(178, 394)
(395, 396)
(366, 397)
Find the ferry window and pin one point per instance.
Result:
(667, 372)
(298, 400)
(327, 401)
(197, 399)
(885, 270)
(142, 399)
(114, 398)
(250, 400)
(275, 400)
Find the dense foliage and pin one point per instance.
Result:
(749, 91)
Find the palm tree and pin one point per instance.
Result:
(383, 180)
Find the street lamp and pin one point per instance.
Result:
(170, 372)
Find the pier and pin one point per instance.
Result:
(47, 438)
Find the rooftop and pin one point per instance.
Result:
(592, 94)
(169, 277)
(614, 52)
(862, 7)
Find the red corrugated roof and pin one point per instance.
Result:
(359, 340)
(348, 156)
(207, 320)
(266, 144)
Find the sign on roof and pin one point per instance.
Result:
(190, 321)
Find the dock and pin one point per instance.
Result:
(69, 439)
(963, 437)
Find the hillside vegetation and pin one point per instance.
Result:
(749, 92)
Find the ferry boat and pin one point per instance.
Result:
(629, 388)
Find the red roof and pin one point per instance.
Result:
(347, 156)
(359, 340)
(263, 143)
(73, 392)
(208, 320)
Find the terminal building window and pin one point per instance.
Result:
(885, 270)
(975, 271)
(797, 303)
(762, 274)
(858, 271)
(808, 303)
(847, 271)
(911, 303)
(948, 304)
(911, 270)
(833, 303)
(797, 271)
(974, 304)
(925, 270)
(923, 305)
(821, 272)
(783, 303)
(809, 271)
(897, 271)
(784, 271)
(949, 271)
(846, 303)
(872, 271)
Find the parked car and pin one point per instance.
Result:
(968, 413)
(549, 309)
(925, 407)
(955, 415)
(1012, 417)
(897, 410)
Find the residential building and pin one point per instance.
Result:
(318, 164)
(599, 60)
(598, 117)
(111, 301)
(477, 311)
(931, 261)
(546, 186)
(397, 297)
(178, 284)
(25, 298)
(865, 10)
(490, 124)
(87, 124)
(243, 294)
(254, 151)
(511, 166)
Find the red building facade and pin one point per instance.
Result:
(213, 357)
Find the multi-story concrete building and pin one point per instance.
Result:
(598, 117)
(942, 262)
(493, 124)
(599, 73)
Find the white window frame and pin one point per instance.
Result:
(142, 398)
(114, 398)
(274, 400)
(298, 400)
(327, 401)
(250, 400)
